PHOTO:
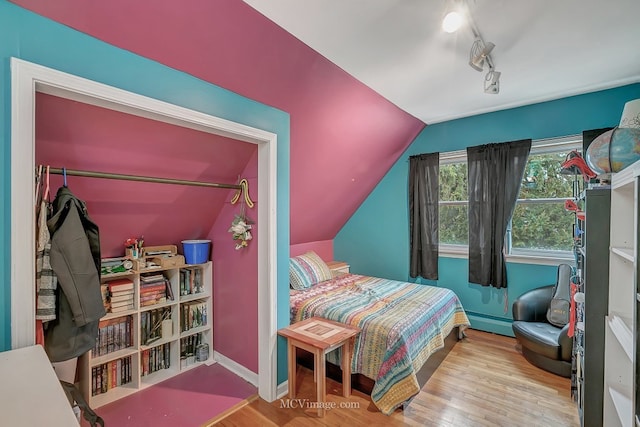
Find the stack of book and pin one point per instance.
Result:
(154, 289)
(120, 295)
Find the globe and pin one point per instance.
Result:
(614, 150)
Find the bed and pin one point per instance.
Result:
(402, 324)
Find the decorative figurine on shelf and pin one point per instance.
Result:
(240, 227)
(133, 247)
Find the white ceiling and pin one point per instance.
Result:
(545, 49)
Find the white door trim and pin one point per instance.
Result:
(27, 79)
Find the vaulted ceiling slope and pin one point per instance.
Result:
(344, 136)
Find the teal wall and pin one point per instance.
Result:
(33, 38)
(375, 241)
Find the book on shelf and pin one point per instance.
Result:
(153, 288)
(122, 308)
(144, 336)
(153, 301)
(154, 330)
(147, 285)
(197, 281)
(120, 293)
(152, 278)
(152, 295)
(121, 303)
(121, 297)
(145, 362)
(169, 290)
(120, 285)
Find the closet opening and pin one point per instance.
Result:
(30, 81)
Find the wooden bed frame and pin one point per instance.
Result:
(365, 385)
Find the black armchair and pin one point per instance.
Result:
(544, 345)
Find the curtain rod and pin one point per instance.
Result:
(91, 174)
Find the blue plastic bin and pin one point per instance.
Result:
(196, 251)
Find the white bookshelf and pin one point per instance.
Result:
(619, 408)
(167, 346)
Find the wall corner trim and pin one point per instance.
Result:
(233, 366)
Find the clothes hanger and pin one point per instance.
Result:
(244, 190)
(64, 175)
(39, 176)
(46, 188)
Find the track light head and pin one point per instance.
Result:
(492, 82)
(479, 53)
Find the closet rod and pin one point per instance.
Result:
(91, 174)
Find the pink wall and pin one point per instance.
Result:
(344, 136)
(79, 136)
(235, 282)
(323, 248)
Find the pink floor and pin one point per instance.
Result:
(186, 400)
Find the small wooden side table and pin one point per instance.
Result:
(338, 268)
(320, 336)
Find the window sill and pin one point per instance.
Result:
(555, 260)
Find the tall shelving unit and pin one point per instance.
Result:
(592, 262)
(621, 322)
(141, 362)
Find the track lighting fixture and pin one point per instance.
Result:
(480, 53)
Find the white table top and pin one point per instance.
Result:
(30, 393)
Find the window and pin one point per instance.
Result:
(453, 205)
(540, 225)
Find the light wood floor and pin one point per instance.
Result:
(484, 381)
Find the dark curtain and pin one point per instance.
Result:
(423, 215)
(495, 175)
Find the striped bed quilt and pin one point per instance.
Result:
(402, 325)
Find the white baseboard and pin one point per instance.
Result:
(282, 390)
(236, 368)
